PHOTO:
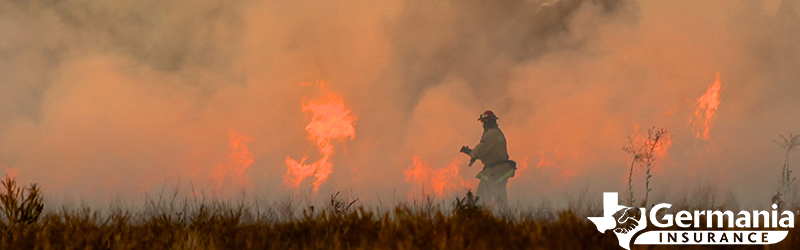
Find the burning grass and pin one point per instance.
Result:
(339, 224)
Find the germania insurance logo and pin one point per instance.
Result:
(733, 229)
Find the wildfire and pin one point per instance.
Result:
(441, 181)
(330, 120)
(229, 175)
(707, 105)
(10, 171)
(557, 160)
(542, 161)
(652, 146)
(661, 150)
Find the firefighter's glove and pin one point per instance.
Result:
(466, 150)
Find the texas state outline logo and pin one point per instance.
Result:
(624, 233)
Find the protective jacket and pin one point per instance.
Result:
(494, 156)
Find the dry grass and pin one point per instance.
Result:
(340, 224)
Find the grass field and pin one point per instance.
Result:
(339, 224)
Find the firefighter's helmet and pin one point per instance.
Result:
(488, 115)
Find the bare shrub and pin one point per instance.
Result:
(468, 206)
(338, 206)
(785, 193)
(645, 154)
(19, 207)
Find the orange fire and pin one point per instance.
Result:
(659, 150)
(330, 120)
(10, 171)
(439, 181)
(707, 105)
(556, 160)
(229, 175)
(542, 161)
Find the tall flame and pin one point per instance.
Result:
(707, 105)
(229, 175)
(440, 181)
(330, 120)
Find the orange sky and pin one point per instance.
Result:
(114, 99)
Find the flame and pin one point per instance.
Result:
(542, 161)
(330, 120)
(707, 105)
(229, 175)
(442, 181)
(660, 150)
(557, 160)
(10, 171)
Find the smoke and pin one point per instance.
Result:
(481, 42)
(102, 99)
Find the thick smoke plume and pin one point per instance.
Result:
(102, 99)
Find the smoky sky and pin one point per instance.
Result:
(481, 41)
(112, 99)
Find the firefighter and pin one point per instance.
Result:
(494, 156)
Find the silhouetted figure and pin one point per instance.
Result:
(493, 154)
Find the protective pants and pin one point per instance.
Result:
(492, 188)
